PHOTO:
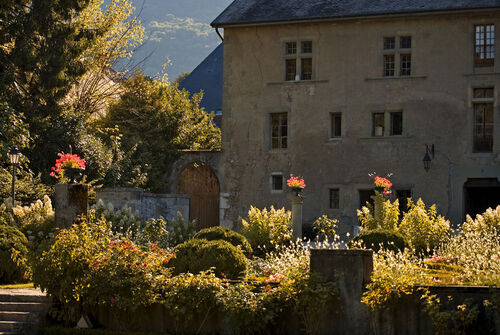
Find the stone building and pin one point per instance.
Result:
(334, 90)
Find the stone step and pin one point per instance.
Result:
(24, 307)
(11, 326)
(23, 297)
(17, 316)
(8, 333)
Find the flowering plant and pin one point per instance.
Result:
(66, 161)
(295, 182)
(384, 183)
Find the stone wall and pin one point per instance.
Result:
(147, 204)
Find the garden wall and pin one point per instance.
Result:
(147, 204)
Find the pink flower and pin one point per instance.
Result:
(113, 300)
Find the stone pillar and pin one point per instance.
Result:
(71, 202)
(297, 203)
(351, 270)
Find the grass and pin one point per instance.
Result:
(14, 286)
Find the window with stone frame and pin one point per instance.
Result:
(336, 125)
(396, 123)
(484, 45)
(397, 53)
(277, 181)
(279, 130)
(334, 198)
(483, 101)
(298, 60)
(378, 124)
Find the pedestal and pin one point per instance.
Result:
(71, 202)
(297, 203)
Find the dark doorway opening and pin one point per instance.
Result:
(480, 194)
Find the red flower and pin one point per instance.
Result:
(113, 300)
(295, 182)
(166, 261)
(66, 161)
(96, 264)
(153, 245)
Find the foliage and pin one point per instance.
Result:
(423, 228)
(226, 234)
(474, 256)
(13, 253)
(325, 227)
(13, 129)
(76, 331)
(62, 270)
(394, 274)
(201, 255)
(124, 222)
(192, 299)
(105, 57)
(125, 276)
(180, 78)
(445, 319)
(487, 222)
(377, 239)
(180, 231)
(266, 229)
(29, 187)
(385, 214)
(159, 120)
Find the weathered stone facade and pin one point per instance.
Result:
(148, 205)
(436, 102)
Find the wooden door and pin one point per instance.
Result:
(200, 183)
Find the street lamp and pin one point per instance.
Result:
(14, 155)
(429, 151)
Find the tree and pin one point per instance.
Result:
(158, 120)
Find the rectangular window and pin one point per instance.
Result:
(484, 45)
(396, 123)
(405, 42)
(389, 65)
(405, 65)
(365, 196)
(291, 67)
(378, 124)
(389, 43)
(298, 60)
(402, 196)
(306, 69)
(307, 47)
(290, 48)
(334, 198)
(277, 182)
(279, 131)
(336, 125)
(483, 127)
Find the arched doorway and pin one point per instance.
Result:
(201, 184)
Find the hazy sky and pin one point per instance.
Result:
(178, 32)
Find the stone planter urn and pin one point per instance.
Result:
(74, 174)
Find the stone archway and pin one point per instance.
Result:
(199, 182)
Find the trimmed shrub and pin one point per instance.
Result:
(200, 255)
(226, 234)
(377, 239)
(13, 253)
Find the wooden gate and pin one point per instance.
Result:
(201, 184)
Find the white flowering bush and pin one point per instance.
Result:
(488, 222)
(124, 222)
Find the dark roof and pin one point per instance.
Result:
(262, 11)
(207, 77)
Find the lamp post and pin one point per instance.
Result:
(14, 155)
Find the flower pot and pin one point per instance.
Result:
(74, 174)
(296, 190)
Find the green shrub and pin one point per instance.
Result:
(423, 228)
(62, 270)
(377, 239)
(226, 234)
(266, 229)
(385, 214)
(29, 187)
(13, 254)
(180, 231)
(200, 255)
(325, 227)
